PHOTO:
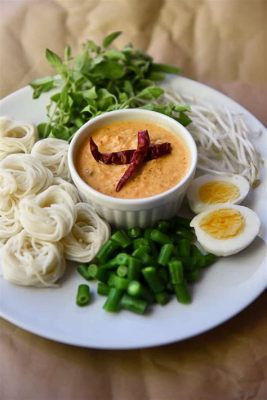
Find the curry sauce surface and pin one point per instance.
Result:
(153, 177)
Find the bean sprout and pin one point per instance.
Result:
(223, 138)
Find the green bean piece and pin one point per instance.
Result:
(103, 289)
(176, 272)
(122, 271)
(102, 274)
(112, 302)
(92, 271)
(164, 275)
(136, 289)
(135, 305)
(162, 298)
(170, 287)
(107, 250)
(184, 248)
(134, 269)
(142, 255)
(83, 271)
(111, 280)
(120, 283)
(182, 293)
(185, 233)
(141, 242)
(163, 226)
(147, 233)
(209, 259)
(165, 254)
(153, 279)
(135, 232)
(159, 237)
(120, 259)
(121, 238)
(83, 296)
(193, 276)
(180, 221)
(198, 259)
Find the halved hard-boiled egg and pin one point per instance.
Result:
(226, 230)
(209, 190)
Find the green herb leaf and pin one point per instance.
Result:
(98, 80)
(43, 130)
(54, 60)
(183, 119)
(151, 92)
(167, 69)
(110, 38)
(114, 55)
(109, 69)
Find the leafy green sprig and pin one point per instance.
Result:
(98, 80)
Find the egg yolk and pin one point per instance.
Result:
(225, 223)
(215, 192)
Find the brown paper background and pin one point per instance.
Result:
(219, 42)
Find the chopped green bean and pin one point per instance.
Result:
(112, 302)
(122, 271)
(163, 273)
(121, 238)
(83, 296)
(193, 276)
(209, 259)
(176, 271)
(120, 283)
(136, 289)
(141, 242)
(83, 271)
(147, 233)
(129, 303)
(182, 293)
(103, 289)
(159, 237)
(102, 274)
(162, 298)
(92, 271)
(120, 259)
(180, 221)
(163, 226)
(135, 232)
(185, 233)
(156, 264)
(142, 255)
(198, 259)
(134, 268)
(153, 279)
(111, 280)
(165, 254)
(184, 247)
(107, 250)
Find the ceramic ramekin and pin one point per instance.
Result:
(133, 212)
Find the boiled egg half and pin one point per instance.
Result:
(226, 230)
(209, 190)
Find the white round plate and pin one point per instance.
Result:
(225, 289)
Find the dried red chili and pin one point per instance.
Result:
(117, 157)
(125, 156)
(144, 152)
(138, 158)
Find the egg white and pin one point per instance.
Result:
(197, 205)
(226, 247)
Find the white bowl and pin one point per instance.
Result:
(133, 212)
